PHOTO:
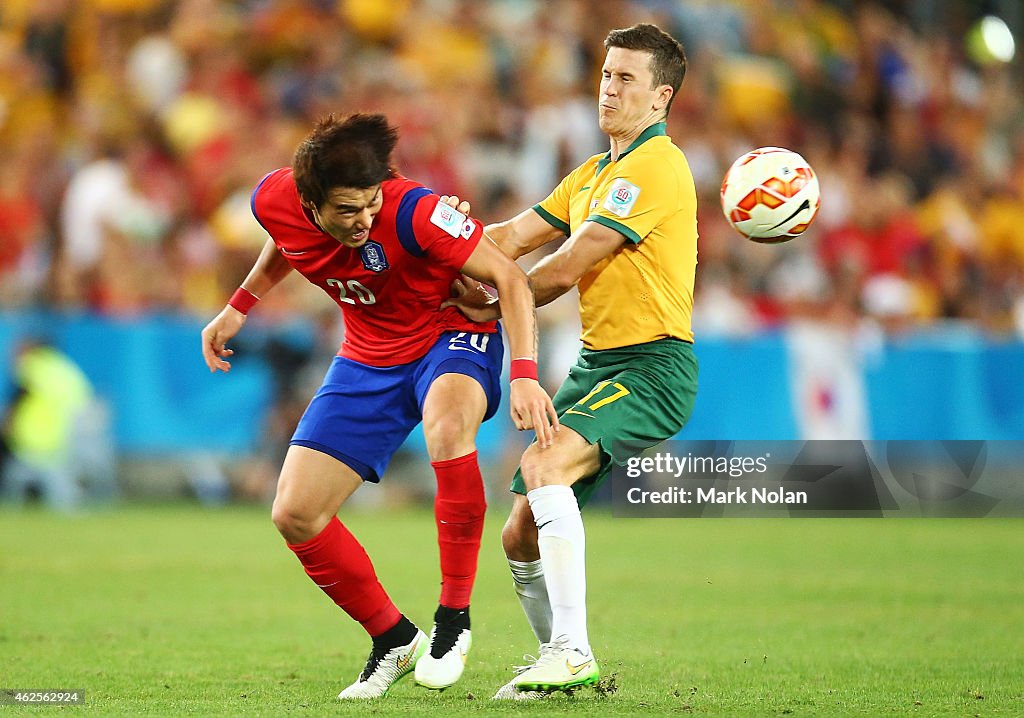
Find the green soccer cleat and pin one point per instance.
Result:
(383, 669)
(559, 668)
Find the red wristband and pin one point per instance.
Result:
(243, 300)
(523, 369)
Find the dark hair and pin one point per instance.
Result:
(353, 152)
(668, 58)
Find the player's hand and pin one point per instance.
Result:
(472, 299)
(222, 328)
(532, 409)
(453, 201)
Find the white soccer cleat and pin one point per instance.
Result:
(384, 669)
(453, 646)
(509, 692)
(559, 668)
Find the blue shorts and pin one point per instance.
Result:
(361, 414)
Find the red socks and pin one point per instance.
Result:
(459, 513)
(338, 564)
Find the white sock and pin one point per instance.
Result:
(528, 580)
(562, 544)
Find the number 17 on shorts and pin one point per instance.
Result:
(604, 393)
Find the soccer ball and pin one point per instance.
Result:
(770, 195)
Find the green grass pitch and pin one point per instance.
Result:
(183, 611)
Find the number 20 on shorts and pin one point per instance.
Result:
(616, 392)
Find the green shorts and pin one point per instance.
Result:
(625, 400)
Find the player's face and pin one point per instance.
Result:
(348, 213)
(627, 102)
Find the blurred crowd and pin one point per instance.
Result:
(132, 132)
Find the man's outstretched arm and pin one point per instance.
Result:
(551, 277)
(530, 405)
(270, 268)
(522, 234)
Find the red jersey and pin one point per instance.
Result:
(389, 290)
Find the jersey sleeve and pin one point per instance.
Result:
(256, 200)
(637, 200)
(554, 209)
(444, 234)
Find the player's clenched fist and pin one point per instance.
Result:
(216, 335)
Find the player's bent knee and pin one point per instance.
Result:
(532, 467)
(541, 467)
(450, 437)
(296, 525)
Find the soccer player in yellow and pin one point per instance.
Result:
(630, 219)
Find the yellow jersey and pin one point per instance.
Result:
(643, 291)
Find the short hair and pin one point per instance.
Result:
(668, 58)
(351, 152)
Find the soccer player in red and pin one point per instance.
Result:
(386, 250)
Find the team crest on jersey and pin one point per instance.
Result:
(448, 219)
(373, 257)
(621, 197)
